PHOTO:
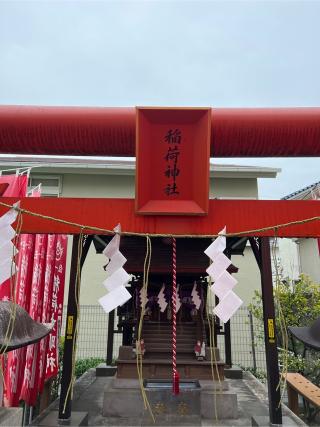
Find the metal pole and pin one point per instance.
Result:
(71, 321)
(30, 414)
(227, 332)
(273, 378)
(227, 344)
(253, 347)
(110, 338)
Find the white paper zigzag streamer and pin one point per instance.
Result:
(117, 277)
(162, 299)
(229, 302)
(7, 248)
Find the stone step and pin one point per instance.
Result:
(183, 330)
(155, 328)
(161, 368)
(167, 333)
(168, 328)
(168, 356)
(169, 341)
(168, 349)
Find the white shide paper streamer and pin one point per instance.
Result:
(117, 277)
(229, 302)
(7, 248)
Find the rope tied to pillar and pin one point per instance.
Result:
(175, 377)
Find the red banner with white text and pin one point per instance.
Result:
(31, 370)
(46, 308)
(56, 306)
(16, 359)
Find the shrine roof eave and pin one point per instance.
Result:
(120, 166)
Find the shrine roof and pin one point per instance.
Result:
(122, 166)
(304, 193)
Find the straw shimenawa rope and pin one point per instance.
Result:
(212, 343)
(146, 268)
(282, 321)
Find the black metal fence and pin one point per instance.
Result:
(247, 350)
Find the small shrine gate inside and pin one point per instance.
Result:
(111, 132)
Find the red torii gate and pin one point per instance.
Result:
(288, 132)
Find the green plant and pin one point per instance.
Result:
(260, 375)
(83, 365)
(299, 302)
(56, 381)
(300, 306)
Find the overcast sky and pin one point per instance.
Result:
(163, 53)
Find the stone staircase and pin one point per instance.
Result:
(158, 340)
(157, 361)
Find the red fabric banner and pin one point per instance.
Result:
(39, 290)
(16, 358)
(18, 185)
(31, 371)
(46, 308)
(28, 368)
(56, 306)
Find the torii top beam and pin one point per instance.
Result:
(293, 132)
(236, 132)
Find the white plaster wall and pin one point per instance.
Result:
(116, 186)
(309, 258)
(248, 275)
(289, 261)
(85, 185)
(91, 279)
(233, 188)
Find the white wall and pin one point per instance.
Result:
(78, 185)
(233, 188)
(289, 260)
(309, 258)
(248, 275)
(97, 186)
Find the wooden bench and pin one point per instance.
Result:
(298, 384)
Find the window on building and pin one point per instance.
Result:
(51, 185)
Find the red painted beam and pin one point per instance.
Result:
(238, 215)
(236, 132)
